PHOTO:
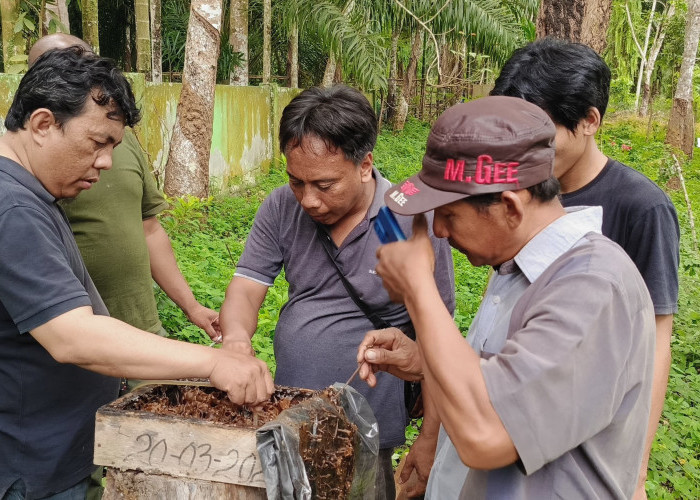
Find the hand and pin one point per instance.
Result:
(245, 379)
(389, 350)
(419, 459)
(401, 262)
(206, 319)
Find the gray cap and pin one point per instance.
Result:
(489, 145)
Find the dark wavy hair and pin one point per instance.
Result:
(543, 192)
(563, 78)
(61, 80)
(340, 116)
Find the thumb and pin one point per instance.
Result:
(420, 226)
(377, 356)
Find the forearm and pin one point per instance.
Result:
(455, 383)
(431, 419)
(239, 311)
(662, 367)
(111, 347)
(164, 269)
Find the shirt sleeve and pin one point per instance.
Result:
(38, 283)
(653, 245)
(262, 257)
(562, 377)
(152, 200)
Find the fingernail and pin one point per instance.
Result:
(371, 355)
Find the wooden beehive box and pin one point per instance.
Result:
(189, 442)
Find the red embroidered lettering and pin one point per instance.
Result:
(409, 189)
(498, 172)
(512, 172)
(454, 172)
(483, 172)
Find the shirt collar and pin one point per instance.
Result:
(557, 238)
(25, 178)
(381, 185)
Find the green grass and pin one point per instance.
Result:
(209, 236)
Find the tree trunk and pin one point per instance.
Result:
(681, 126)
(576, 20)
(58, 11)
(643, 57)
(91, 33)
(238, 38)
(12, 43)
(293, 57)
(329, 73)
(267, 40)
(332, 62)
(143, 36)
(392, 99)
(659, 37)
(187, 170)
(156, 42)
(409, 81)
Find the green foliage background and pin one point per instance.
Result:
(209, 236)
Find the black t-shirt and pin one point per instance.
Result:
(641, 218)
(47, 409)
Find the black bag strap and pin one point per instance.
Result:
(378, 322)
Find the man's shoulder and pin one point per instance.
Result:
(625, 177)
(280, 199)
(597, 254)
(14, 195)
(621, 184)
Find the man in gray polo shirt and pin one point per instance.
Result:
(335, 193)
(551, 396)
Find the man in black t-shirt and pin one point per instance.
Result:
(571, 83)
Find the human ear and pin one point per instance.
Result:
(40, 123)
(590, 124)
(513, 207)
(366, 167)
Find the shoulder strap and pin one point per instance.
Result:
(378, 322)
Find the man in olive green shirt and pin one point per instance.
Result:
(120, 238)
(124, 245)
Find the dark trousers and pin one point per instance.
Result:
(385, 488)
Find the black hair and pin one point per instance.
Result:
(61, 80)
(543, 192)
(340, 116)
(565, 79)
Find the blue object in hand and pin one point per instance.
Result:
(386, 227)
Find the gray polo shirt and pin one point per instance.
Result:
(47, 409)
(577, 419)
(320, 327)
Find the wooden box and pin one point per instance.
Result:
(134, 439)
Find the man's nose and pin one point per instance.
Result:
(439, 228)
(104, 160)
(310, 198)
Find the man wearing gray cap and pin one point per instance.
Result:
(551, 395)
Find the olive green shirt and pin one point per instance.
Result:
(107, 222)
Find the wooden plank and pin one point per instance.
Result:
(178, 446)
(134, 485)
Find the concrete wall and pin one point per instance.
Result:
(246, 124)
